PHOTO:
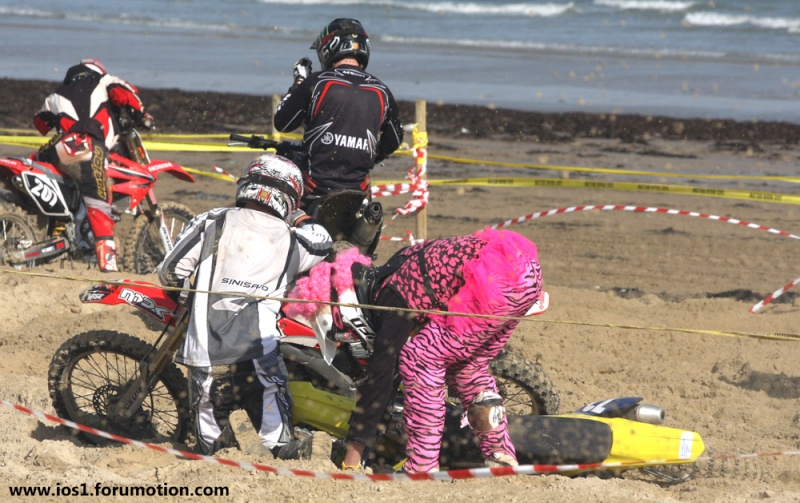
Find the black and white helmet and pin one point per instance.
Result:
(273, 182)
(340, 39)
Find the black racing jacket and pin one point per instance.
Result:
(350, 121)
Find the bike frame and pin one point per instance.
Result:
(132, 178)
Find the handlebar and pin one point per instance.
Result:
(285, 148)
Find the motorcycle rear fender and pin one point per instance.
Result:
(338, 211)
(14, 165)
(147, 297)
(637, 444)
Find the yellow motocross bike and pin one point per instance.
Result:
(119, 383)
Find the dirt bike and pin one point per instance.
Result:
(347, 215)
(119, 383)
(43, 217)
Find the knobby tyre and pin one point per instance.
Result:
(18, 230)
(143, 248)
(89, 371)
(524, 385)
(526, 390)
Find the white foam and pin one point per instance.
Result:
(657, 5)
(722, 20)
(533, 9)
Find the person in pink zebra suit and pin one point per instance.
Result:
(489, 272)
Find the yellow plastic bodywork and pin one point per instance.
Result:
(319, 409)
(634, 444)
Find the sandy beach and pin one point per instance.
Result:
(643, 303)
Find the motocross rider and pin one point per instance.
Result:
(350, 117)
(83, 110)
(233, 256)
(490, 273)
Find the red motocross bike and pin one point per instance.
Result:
(43, 218)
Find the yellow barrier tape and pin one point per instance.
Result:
(209, 174)
(153, 144)
(155, 136)
(23, 141)
(750, 195)
(613, 171)
(773, 336)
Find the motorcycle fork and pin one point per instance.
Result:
(149, 208)
(130, 399)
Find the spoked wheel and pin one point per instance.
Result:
(87, 375)
(17, 231)
(143, 247)
(524, 386)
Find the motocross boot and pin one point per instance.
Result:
(102, 225)
(106, 251)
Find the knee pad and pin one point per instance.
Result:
(486, 412)
(74, 148)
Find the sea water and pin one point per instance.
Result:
(684, 58)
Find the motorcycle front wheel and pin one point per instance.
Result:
(90, 370)
(524, 386)
(144, 250)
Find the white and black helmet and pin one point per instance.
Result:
(273, 182)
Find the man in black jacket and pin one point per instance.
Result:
(350, 117)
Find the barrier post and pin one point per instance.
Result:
(276, 100)
(420, 160)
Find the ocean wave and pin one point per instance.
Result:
(122, 19)
(146, 22)
(594, 50)
(472, 8)
(659, 5)
(554, 47)
(722, 20)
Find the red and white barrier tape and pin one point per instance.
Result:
(223, 172)
(609, 207)
(392, 189)
(449, 475)
(644, 209)
(409, 238)
(418, 186)
(774, 295)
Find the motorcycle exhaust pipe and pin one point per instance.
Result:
(367, 225)
(646, 413)
(41, 251)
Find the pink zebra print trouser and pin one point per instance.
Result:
(430, 360)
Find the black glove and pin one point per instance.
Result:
(302, 69)
(297, 217)
(144, 120)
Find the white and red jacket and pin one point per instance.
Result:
(87, 105)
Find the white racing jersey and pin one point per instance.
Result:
(232, 251)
